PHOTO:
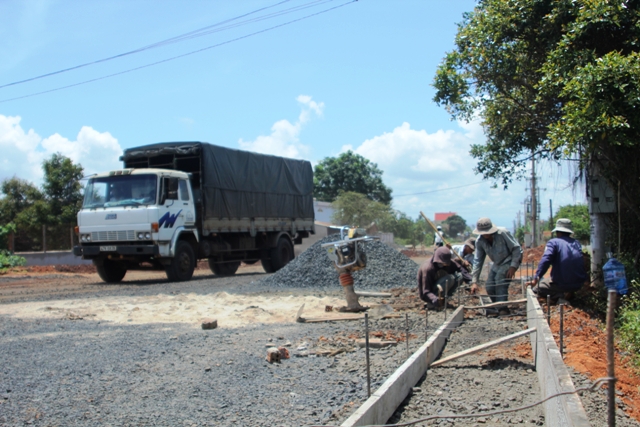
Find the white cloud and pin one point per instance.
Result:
(284, 139)
(23, 151)
(433, 172)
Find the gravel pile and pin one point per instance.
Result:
(386, 268)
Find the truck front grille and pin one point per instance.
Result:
(112, 236)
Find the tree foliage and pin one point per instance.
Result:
(54, 206)
(62, 188)
(559, 79)
(349, 172)
(356, 210)
(456, 225)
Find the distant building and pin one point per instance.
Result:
(442, 216)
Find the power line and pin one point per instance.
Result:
(175, 39)
(433, 191)
(180, 56)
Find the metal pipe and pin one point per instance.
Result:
(611, 389)
(366, 341)
(406, 331)
(549, 309)
(562, 330)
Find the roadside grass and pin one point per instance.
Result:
(629, 323)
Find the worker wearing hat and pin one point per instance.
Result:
(505, 252)
(465, 251)
(564, 254)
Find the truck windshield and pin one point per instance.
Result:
(120, 190)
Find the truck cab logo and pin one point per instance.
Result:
(111, 216)
(168, 220)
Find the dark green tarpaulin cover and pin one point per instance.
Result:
(236, 183)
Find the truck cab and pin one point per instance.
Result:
(132, 218)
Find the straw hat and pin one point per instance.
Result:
(471, 243)
(485, 226)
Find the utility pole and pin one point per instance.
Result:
(550, 214)
(534, 204)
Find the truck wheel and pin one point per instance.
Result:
(182, 264)
(111, 271)
(281, 254)
(224, 269)
(266, 264)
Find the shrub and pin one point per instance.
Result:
(7, 260)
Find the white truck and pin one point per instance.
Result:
(178, 202)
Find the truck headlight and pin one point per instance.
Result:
(147, 236)
(85, 237)
(140, 236)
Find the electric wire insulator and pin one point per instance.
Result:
(346, 279)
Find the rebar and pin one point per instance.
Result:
(562, 331)
(611, 388)
(366, 346)
(406, 331)
(549, 309)
(426, 323)
(445, 306)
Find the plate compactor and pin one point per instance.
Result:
(348, 255)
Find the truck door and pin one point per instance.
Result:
(172, 213)
(186, 203)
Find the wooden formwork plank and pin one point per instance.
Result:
(383, 403)
(484, 346)
(494, 304)
(552, 372)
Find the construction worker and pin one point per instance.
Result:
(439, 276)
(438, 240)
(466, 251)
(564, 254)
(506, 254)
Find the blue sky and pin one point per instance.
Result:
(356, 77)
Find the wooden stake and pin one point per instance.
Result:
(611, 373)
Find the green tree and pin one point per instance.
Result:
(349, 172)
(456, 225)
(558, 79)
(18, 196)
(62, 188)
(356, 210)
(397, 223)
(579, 216)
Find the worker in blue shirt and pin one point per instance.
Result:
(564, 255)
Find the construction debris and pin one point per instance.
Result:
(209, 324)
(375, 343)
(273, 355)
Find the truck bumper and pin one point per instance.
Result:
(90, 252)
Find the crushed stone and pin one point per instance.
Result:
(386, 268)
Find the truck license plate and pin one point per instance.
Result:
(107, 248)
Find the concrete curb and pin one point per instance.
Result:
(383, 403)
(553, 375)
